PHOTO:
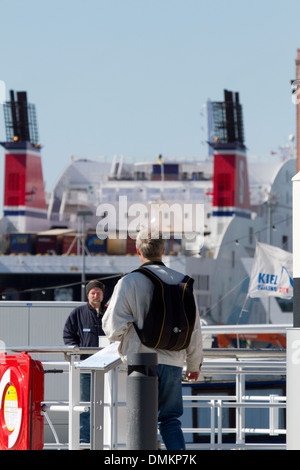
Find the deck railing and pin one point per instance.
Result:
(108, 401)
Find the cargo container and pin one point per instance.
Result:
(48, 244)
(116, 246)
(96, 245)
(69, 244)
(22, 243)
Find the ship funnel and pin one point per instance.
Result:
(24, 192)
(231, 186)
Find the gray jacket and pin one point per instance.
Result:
(130, 303)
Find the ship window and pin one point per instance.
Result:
(198, 176)
(140, 175)
(250, 235)
(201, 281)
(285, 242)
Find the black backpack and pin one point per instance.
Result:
(170, 320)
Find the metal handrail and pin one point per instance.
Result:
(234, 362)
(243, 329)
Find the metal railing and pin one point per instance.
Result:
(106, 405)
(236, 366)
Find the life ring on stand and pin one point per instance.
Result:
(11, 408)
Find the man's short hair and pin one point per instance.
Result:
(150, 243)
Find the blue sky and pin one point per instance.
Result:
(130, 77)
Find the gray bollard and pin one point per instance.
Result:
(142, 401)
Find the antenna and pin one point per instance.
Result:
(228, 119)
(20, 119)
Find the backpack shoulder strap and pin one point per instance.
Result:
(188, 281)
(151, 275)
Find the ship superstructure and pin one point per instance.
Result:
(104, 202)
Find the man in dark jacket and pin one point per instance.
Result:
(84, 324)
(83, 328)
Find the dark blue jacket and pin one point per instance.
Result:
(83, 327)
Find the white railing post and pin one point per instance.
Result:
(220, 416)
(97, 409)
(212, 422)
(240, 411)
(274, 416)
(100, 365)
(114, 408)
(74, 400)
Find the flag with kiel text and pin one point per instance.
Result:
(272, 272)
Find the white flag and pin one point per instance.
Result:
(272, 273)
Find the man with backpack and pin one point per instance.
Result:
(124, 319)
